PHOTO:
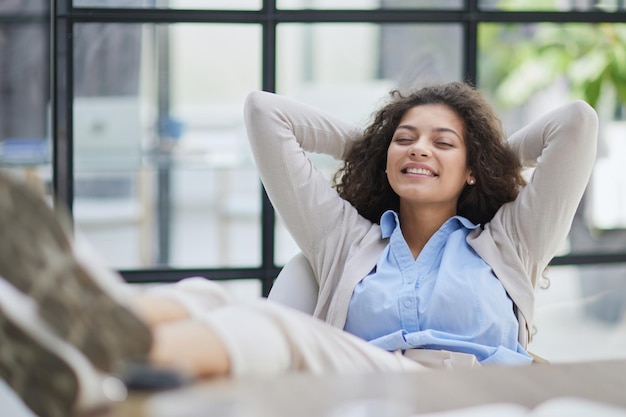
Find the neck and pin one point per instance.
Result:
(418, 225)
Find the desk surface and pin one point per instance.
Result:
(383, 395)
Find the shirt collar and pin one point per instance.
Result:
(389, 221)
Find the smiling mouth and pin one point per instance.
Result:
(419, 171)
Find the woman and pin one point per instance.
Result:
(516, 239)
(429, 248)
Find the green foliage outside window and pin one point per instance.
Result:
(518, 61)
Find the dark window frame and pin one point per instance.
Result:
(64, 15)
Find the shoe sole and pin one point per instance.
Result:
(36, 256)
(45, 383)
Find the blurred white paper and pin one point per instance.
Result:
(487, 410)
(576, 407)
(558, 407)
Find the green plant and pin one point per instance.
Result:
(520, 60)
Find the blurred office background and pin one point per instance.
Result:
(129, 113)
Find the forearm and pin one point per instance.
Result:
(572, 128)
(270, 117)
(561, 146)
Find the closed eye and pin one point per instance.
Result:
(403, 140)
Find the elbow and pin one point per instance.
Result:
(254, 103)
(581, 126)
(585, 114)
(260, 113)
(585, 120)
(263, 105)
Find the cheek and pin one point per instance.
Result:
(392, 155)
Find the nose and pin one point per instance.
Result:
(419, 149)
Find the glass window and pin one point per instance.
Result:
(369, 4)
(529, 69)
(163, 175)
(25, 148)
(552, 5)
(174, 4)
(581, 315)
(347, 69)
(163, 172)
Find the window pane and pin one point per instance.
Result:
(581, 315)
(174, 4)
(163, 173)
(369, 4)
(553, 5)
(25, 148)
(527, 70)
(346, 69)
(33, 8)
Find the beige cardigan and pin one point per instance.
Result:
(343, 247)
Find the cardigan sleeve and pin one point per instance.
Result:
(561, 147)
(281, 131)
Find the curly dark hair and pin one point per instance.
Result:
(362, 180)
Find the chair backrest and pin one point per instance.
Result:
(296, 286)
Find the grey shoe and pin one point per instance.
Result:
(37, 257)
(51, 376)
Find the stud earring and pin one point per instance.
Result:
(471, 181)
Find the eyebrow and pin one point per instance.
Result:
(437, 129)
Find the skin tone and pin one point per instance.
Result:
(427, 168)
(180, 342)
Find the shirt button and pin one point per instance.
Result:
(407, 304)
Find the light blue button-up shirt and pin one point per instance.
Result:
(448, 298)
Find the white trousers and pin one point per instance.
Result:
(265, 338)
